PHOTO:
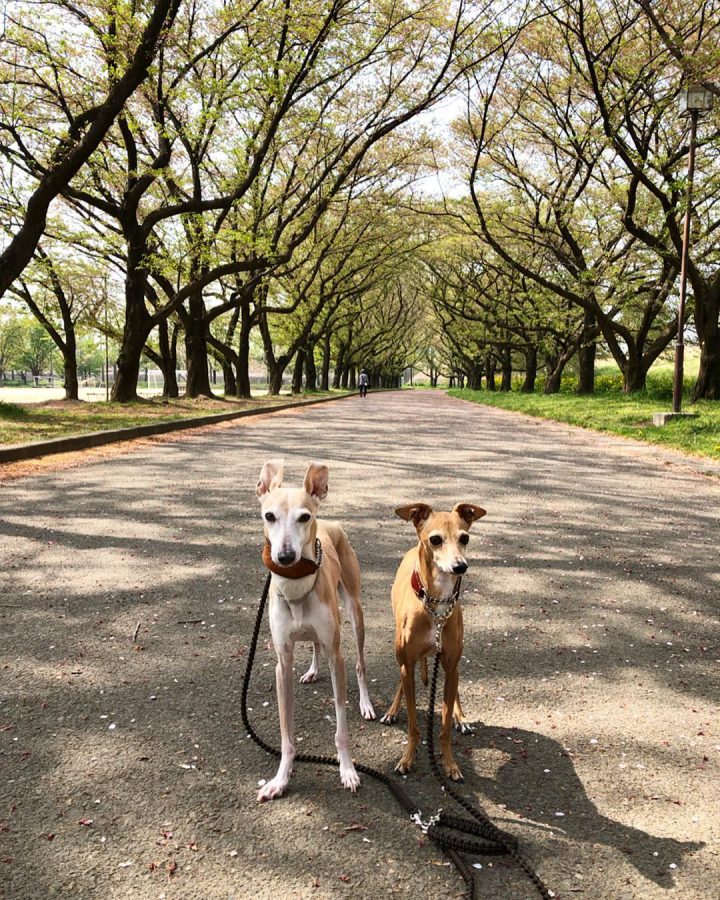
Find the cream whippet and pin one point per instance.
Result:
(426, 589)
(311, 562)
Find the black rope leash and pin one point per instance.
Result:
(497, 840)
(485, 838)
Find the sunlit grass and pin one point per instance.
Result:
(25, 423)
(611, 411)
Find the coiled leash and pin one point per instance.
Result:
(497, 840)
(484, 837)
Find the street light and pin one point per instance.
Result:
(107, 358)
(694, 99)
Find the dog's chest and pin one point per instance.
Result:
(296, 619)
(427, 628)
(294, 590)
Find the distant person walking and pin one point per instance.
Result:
(363, 382)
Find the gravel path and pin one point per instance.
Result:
(591, 663)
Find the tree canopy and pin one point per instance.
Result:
(201, 182)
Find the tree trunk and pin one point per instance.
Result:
(553, 382)
(337, 374)
(138, 324)
(310, 369)
(70, 367)
(228, 357)
(707, 386)
(124, 389)
(506, 381)
(230, 382)
(556, 366)
(586, 356)
(531, 361)
(490, 372)
(168, 360)
(276, 370)
(352, 378)
(198, 374)
(127, 369)
(243, 364)
(634, 373)
(297, 378)
(474, 377)
(325, 370)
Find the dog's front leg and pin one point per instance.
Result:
(407, 680)
(450, 694)
(285, 695)
(348, 774)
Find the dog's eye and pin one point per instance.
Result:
(463, 539)
(435, 540)
(269, 517)
(305, 517)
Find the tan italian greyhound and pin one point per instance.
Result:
(311, 562)
(425, 593)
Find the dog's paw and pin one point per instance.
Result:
(350, 778)
(366, 709)
(465, 727)
(272, 790)
(388, 719)
(309, 677)
(405, 765)
(453, 772)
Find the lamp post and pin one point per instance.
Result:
(107, 358)
(693, 101)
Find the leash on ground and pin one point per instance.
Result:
(498, 841)
(484, 837)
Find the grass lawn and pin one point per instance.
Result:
(22, 423)
(611, 411)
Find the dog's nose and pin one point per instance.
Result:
(459, 568)
(285, 557)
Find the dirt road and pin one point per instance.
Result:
(128, 591)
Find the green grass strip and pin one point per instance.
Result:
(22, 423)
(611, 411)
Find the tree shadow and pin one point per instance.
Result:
(536, 779)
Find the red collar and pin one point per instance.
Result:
(422, 593)
(301, 569)
(418, 586)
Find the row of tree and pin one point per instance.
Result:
(245, 175)
(27, 351)
(220, 160)
(576, 157)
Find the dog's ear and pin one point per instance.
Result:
(316, 480)
(418, 513)
(271, 476)
(468, 512)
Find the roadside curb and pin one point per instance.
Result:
(17, 452)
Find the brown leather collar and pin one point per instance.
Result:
(301, 569)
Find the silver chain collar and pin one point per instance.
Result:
(318, 552)
(439, 618)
